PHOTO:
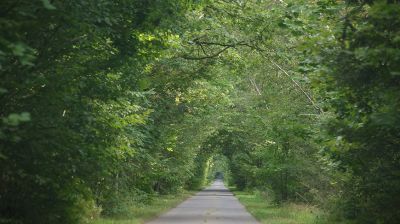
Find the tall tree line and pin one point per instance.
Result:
(83, 114)
(105, 104)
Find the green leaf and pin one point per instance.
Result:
(16, 119)
(48, 5)
(144, 84)
(395, 73)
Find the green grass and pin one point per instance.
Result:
(144, 213)
(267, 212)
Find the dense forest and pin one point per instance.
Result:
(110, 103)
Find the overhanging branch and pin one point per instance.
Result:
(187, 57)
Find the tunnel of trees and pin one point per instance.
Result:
(109, 103)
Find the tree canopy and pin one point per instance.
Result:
(106, 104)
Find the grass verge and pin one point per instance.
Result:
(267, 212)
(145, 213)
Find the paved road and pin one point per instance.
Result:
(214, 205)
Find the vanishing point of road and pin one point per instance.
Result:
(213, 205)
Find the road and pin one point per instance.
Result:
(213, 205)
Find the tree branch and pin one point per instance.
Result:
(187, 57)
(207, 56)
(298, 85)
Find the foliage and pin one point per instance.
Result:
(267, 212)
(76, 110)
(108, 104)
(140, 213)
(361, 85)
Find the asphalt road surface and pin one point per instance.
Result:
(213, 205)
